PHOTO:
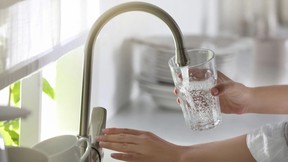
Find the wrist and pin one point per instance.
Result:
(250, 100)
(187, 154)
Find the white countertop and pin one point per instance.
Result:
(169, 125)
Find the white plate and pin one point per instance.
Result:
(157, 92)
(151, 84)
(9, 113)
(162, 94)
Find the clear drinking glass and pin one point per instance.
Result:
(201, 110)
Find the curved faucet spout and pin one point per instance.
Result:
(180, 55)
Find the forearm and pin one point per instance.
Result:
(234, 149)
(269, 100)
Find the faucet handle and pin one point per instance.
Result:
(97, 124)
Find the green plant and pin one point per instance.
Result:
(10, 130)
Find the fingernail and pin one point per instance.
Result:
(98, 138)
(175, 91)
(104, 130)
(214, 91)
(178, 100)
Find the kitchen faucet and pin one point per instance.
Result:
(180, 58)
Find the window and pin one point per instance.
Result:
(32, 29)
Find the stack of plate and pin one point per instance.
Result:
(161, 93)
(154, 75)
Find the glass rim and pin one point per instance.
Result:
(172, 59)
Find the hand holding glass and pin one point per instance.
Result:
(201, 110)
